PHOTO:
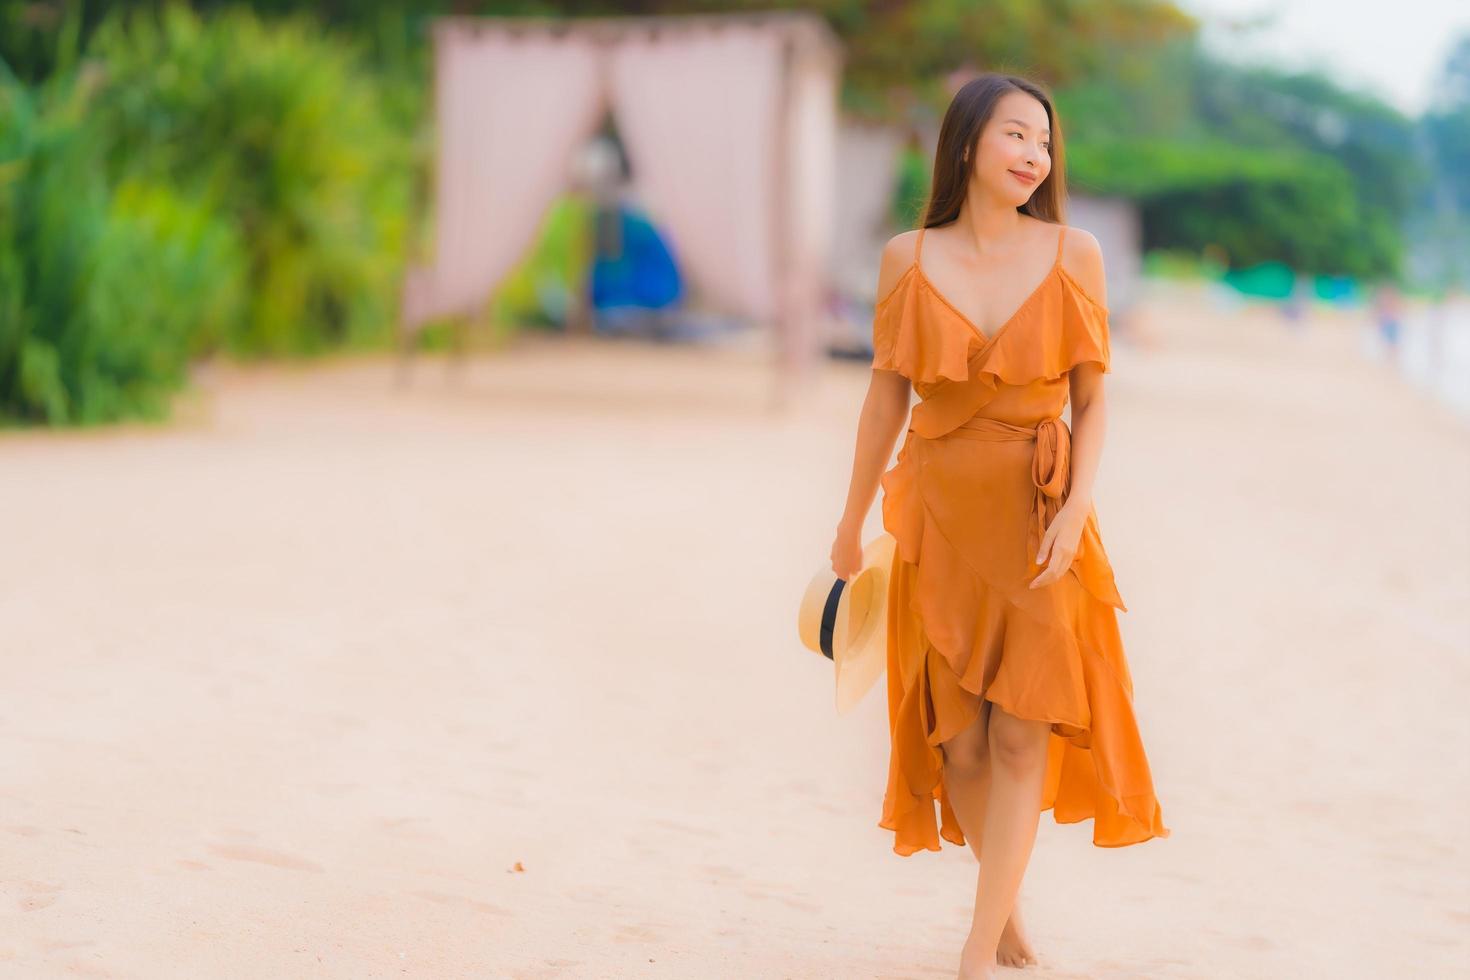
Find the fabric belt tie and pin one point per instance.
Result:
(1051, 466)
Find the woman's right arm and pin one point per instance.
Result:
(883, 418)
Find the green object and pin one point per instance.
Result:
(910, 189)
(282, 130)
(1337, 289)
(1268, 280)
(541, 288)
(105, 291)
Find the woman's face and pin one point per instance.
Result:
(1015, 143)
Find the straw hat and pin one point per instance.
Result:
(846, 621)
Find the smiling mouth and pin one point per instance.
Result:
(1023, 178)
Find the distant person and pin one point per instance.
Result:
(1008, 689)
(1294, 307)
(1388, 315)
(635, 285)
(634, 277)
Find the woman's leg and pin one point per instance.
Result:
(966, 786)
(1016, 753)
(966, 774)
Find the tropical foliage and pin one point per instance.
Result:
(180, 179)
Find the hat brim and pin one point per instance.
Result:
(860, 648)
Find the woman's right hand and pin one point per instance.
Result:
(847, 552)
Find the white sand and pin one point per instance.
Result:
(294, 685)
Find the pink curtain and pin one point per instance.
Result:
(809, 209)
(698, 115)
(730, 128)
(511, 111)
(864, 185)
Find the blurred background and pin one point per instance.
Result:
(419, 421)
(270, 171)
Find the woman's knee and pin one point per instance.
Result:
(965, 757)
(967, 754)
(1017, 745)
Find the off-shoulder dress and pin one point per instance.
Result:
(983, 469)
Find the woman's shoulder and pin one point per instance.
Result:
(1078, 242)
(902, 245)
(1082, 260)
(897, 258)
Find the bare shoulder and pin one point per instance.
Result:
(898, 256)
(1082, 258)
(899, 249)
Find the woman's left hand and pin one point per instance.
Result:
(1059, 543)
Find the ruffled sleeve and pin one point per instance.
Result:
(885, 336)
(1084, 328)
(1063, 328)
(1060, 328)
(912, 336)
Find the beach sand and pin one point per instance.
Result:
(497, 675)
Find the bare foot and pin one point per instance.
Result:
(976, 963)
(1014, 949)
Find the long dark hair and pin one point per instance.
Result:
(968, 112)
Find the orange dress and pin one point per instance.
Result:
(982, 471)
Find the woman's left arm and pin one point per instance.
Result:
(1089, 422)
(1089, 402)
(1089, 425)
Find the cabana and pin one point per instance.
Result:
(730, 123)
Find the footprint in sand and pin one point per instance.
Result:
(627, 933)
(801, 905)
(36, 895)
(443, 898)
(683, 828)
(721, 871)
(759, 894)
(264, 855)
(1256, 944)
(399, 827)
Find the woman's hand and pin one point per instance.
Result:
(847, 551)
(1059, 543)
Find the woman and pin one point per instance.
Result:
(1008, 689)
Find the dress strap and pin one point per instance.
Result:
(919, 244)
(1061, 237)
